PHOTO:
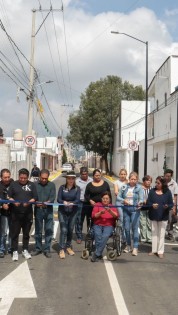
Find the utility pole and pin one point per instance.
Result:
(31, 88)
(31, 80)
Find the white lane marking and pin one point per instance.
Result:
(172, 244)
(18, 284)
(33, 232)
(118, 297)
(55, 227)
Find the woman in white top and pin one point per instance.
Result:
(117, 186)
(121, 181)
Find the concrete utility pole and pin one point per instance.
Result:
(31, 81)
(31, 88)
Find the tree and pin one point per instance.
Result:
(93, 125)
(64, 157)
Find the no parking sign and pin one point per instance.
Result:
(133, 145)
(29, 141)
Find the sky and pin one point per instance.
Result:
(74, 47)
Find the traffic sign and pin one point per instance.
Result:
(29, 140)
(133, 145)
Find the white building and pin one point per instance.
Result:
(46, 152)
(130, 129)
(162, 121)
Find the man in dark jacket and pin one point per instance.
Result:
(24, 193)
(5, 211)
(44, 213)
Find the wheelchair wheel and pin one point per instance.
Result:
(85, 254)
(112, 255)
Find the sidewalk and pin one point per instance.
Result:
(54, 174)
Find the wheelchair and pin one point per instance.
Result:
(113, 247)
(89, 242)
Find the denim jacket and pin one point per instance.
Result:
(138, 197)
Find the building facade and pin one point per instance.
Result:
(162, 120)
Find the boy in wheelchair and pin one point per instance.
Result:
(104, 217)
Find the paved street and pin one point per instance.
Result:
(139, 285)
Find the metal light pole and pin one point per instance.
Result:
(111, 139)
(146, 103)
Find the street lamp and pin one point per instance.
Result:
(146, 103)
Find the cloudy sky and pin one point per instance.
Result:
(74, 47)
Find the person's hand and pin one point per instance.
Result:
(174, 210)
(5, 206)
(40, 204)
(25, 204)
(92, 202)
(155, 205)
(102, 211)
(126, 202)
(140, 204)
(165, 206)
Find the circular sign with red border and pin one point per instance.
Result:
(133, 145)
(29, 141)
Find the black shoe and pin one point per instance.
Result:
(36, 253)
(1, 255)
(94, 258)
(170, 237)
(47, 254)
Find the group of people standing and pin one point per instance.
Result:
(147, 209)
(18, 200)
(137, 206)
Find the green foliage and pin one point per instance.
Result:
(64, 156)
(93, 125)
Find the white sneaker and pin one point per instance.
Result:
(15, 256)
(127, 249)
(26, 254)
(135, 252)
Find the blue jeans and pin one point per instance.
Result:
(5, 222)
(45, 215)
(67, 223)
(78, 222)
(101, 234)
(121, 218)
(131, 221)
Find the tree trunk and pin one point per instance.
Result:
(106, 163)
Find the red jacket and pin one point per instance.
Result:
(105, 219)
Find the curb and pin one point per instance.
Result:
(54, 176)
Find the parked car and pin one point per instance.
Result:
(66, 167)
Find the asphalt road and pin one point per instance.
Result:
(139, 285)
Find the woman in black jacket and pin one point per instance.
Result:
(94, 191)
(159, 202)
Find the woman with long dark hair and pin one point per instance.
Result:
(159, 202)
(94, 190)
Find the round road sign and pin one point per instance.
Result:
(133, 145)
(29, 141)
